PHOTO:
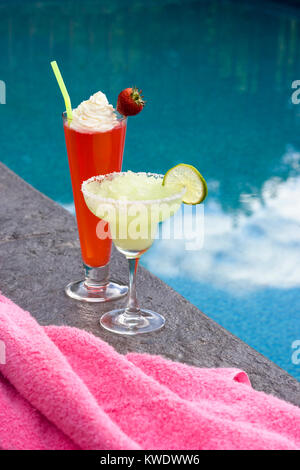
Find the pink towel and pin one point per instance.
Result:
(63, 388)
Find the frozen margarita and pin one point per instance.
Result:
(133, 204)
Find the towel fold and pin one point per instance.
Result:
(63, 388)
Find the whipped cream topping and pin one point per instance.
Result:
(95, 114)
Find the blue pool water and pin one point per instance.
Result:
(217, 79)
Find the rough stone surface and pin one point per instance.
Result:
(39, 255)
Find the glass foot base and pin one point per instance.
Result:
(111, 291)
(117, 321)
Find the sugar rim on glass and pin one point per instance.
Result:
(127, 201)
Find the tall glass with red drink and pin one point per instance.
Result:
(93, 152)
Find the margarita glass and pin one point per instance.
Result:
(133, 204)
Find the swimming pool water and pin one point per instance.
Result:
(217, 79)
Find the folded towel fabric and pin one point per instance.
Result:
(63, 388)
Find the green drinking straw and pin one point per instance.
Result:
(63, 89)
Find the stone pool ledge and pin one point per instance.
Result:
(39, 254)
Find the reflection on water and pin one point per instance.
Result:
(252, 251)
(247, 275)
(217, 77)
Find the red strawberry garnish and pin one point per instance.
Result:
(130, 102)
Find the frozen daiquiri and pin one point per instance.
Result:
(95, 136)
(134, 204)
(95, 143)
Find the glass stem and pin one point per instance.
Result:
(132, 305)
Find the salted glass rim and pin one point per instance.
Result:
(128, 201)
